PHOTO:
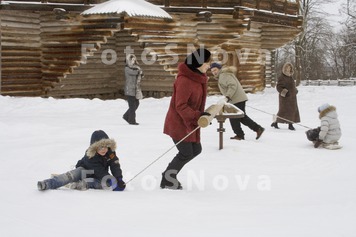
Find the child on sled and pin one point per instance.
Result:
(92, 170)
(329, 132)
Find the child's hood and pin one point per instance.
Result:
(99, 139)
(329, 111)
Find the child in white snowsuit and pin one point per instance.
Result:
(92, 170)
(330, 131)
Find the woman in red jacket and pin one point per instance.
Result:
(186, 106)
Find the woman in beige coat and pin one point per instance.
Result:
(230, 87)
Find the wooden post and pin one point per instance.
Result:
(216, 111)
(221, 119)
(221, 130)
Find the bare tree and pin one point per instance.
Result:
(351, 9)
(308, 9)
(318, 39)
(311, 47)
(344, 50)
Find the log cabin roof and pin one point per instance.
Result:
(137, 8)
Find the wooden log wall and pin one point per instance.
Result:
(102, 74)
(282, 6)
(157, 82)
(72, 52)
(48, 46)
(186, 32)
(20, 54)
(266, 32)
(95, 78)
(248, 32)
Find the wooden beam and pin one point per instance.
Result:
(22, 6)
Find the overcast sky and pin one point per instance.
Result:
(333, 13)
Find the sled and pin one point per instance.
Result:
(332, 146)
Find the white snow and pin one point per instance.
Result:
(132, 8)
(277, 186)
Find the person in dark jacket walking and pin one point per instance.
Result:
(92, 170)
(186, 106)
(288, 107)
(133, 77)
(230, 87)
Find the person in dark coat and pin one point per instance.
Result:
(186, 106)
(133, 77)
(288, 107)
(92, 171)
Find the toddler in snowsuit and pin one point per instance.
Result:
(92, 170)
(329, 132)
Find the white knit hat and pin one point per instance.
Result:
(323, 107)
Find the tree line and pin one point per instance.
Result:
(320, 51)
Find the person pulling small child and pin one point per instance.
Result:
(92, 170)
(329, 132)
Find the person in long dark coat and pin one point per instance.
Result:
(288, 107)
(186, 106)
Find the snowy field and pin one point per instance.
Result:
(277, 186)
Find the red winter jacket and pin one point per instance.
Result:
(187, 104)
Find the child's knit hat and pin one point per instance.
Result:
(323, 107)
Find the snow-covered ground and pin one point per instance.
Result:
(276, 186)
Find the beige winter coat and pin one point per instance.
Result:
(230, 86)
(330, 131)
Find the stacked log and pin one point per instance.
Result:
(77, 46)
(43, 53)
(157, 82)
(20, 54)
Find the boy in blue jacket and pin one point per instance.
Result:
(92, 170)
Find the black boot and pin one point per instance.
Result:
(41, 186)
(290, 127)
(170, 181)
(169, 176)
(275, 125)
(259, 132)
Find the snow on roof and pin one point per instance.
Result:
(133, 8)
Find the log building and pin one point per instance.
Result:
(55, 49)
